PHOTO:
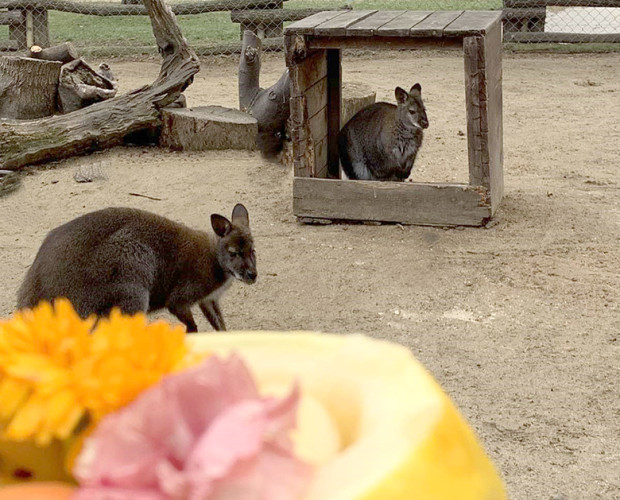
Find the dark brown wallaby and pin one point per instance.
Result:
(381, 141)
(139, 261)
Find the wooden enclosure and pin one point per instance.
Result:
(313, 55)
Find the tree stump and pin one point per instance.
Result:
(355, 97)
(269, 106)
(207, 127)
(28, 87)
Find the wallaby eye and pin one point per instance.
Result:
(233, 252)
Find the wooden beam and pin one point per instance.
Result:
(9, 45)
(383, 42)
(112, 9)
(561, 3)
(553, 37)
(11, 17)
(402, 202)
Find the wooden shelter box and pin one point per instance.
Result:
(313, 56)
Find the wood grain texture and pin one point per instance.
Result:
(369, 25)
(338, 25)
(435, 24)
(473, 23)
(493, 62)
(306, 26)
(401, 25)
(406, 203)
(207, 128)
(312, 69)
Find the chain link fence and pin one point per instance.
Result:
(110, 28)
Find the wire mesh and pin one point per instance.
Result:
(109, 28)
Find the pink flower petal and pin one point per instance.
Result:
(203, 434)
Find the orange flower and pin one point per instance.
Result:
(54, 373)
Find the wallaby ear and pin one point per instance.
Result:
(221, 225)
(401, 95)
(417, 88)
(240, 215)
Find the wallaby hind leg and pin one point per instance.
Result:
(211, 310)
(130, 299)
(185, 316)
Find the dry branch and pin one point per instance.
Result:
(106, 123)
(269, 106)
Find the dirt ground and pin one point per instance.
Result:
(518, 321)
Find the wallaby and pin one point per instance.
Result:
(381, 141)
(140, 261)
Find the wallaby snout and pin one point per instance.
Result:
(139, 262)
(235, 246)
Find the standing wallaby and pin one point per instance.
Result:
(381, 141)
(139, 261)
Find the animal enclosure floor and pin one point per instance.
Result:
(519, 321)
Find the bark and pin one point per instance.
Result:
(105, 124)
(65, 52)
(269, 106)
(81, 86)
(28, 87)
(207, 127)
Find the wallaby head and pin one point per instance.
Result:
(411, 109)
(235, 246)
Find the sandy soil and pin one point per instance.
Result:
(518, 321)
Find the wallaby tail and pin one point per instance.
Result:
(345, 159)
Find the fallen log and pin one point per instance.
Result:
(81, 86)
(269, 106)
(64, 52)
(105, 124)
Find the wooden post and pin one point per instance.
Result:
(334, 96)
(17, 31)
(484, 112)
(40, 28)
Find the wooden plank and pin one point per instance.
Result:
(308, 72)
(306, 26)
(317, 124)
(470, 23)
(8, 45)
(561, 3)
(10, 17)
(334, 97)
(434, 24)
(404, 202)
(383, 42)
(267, 16)
(316, 97)
(368, 26)
(40, 28)
(552, 37)
(112, 9)
(475, 108)
(338, 25)
(401, 25)
(320, 168)
(493, 61)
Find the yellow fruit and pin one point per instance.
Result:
(25, 461)
(36, 491)
(371, 418)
